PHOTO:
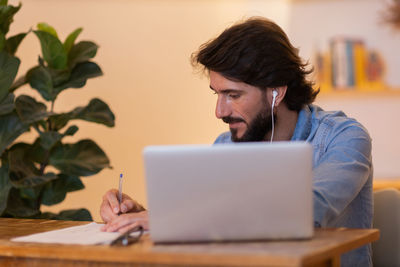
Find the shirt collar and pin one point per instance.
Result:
(303, 125)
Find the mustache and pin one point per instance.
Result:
(232, 120)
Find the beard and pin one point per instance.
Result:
(257, 129)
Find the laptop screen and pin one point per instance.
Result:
(243, 191)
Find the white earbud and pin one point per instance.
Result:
(274, 94)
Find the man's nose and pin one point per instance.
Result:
(223, 108)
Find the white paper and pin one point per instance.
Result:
(88, 234)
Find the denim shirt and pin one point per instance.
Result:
(342, 168)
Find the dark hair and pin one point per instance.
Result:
(258, 52)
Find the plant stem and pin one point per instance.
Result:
(18, 83)
(37, 129)
(48, 120)
(45, 162)
(42, 167)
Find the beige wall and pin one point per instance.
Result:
(144, 52)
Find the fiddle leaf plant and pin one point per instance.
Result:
(43, 172)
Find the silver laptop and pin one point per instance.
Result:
(246, 191)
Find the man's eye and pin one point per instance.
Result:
(234, 96)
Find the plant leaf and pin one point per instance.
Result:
(71, 130)
(37, 153)
(8, 70)
(43, 26)
(72, 183)
(31, 181)
(7, 105)
(49, 139)
(69, 42)
(7, 13)
(79, 75)
(13, 42)
(40, 79)
(55, 191)
(29, 110)
(18, 83)
(81, 52)
(53, 50)
(22, 171)
(59, 77)
(96, 111)
(10, 128)
(42, 124)
(21, 207)
(75, 215)
(84, 158)
(31, 193)
(58, 121)
(46, 215)
(5, 187)
(2, 41)
(3, 2)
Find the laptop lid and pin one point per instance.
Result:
(245, 191)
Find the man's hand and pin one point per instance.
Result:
(125, 222)
(110, 207)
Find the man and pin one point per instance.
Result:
(262, 93)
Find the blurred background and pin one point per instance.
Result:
(145, 47)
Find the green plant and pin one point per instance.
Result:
(26, 181)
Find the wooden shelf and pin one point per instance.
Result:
(354, 93)
(380, 184)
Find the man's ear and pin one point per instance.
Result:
(281, 92)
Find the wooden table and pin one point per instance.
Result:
(323, 250)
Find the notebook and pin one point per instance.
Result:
(244, 191)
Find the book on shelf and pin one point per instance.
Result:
(349, 65)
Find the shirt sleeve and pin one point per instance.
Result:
(343, 169)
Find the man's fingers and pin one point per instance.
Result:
(112, 199)
(128, 205)
(106, 212)
(117, 223)
(125, 220)
(128, 227)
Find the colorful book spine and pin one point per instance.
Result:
(340, 63)
(349, 55)
(360, 57)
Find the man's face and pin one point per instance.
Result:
(243, 107)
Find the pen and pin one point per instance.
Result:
(120, 189)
